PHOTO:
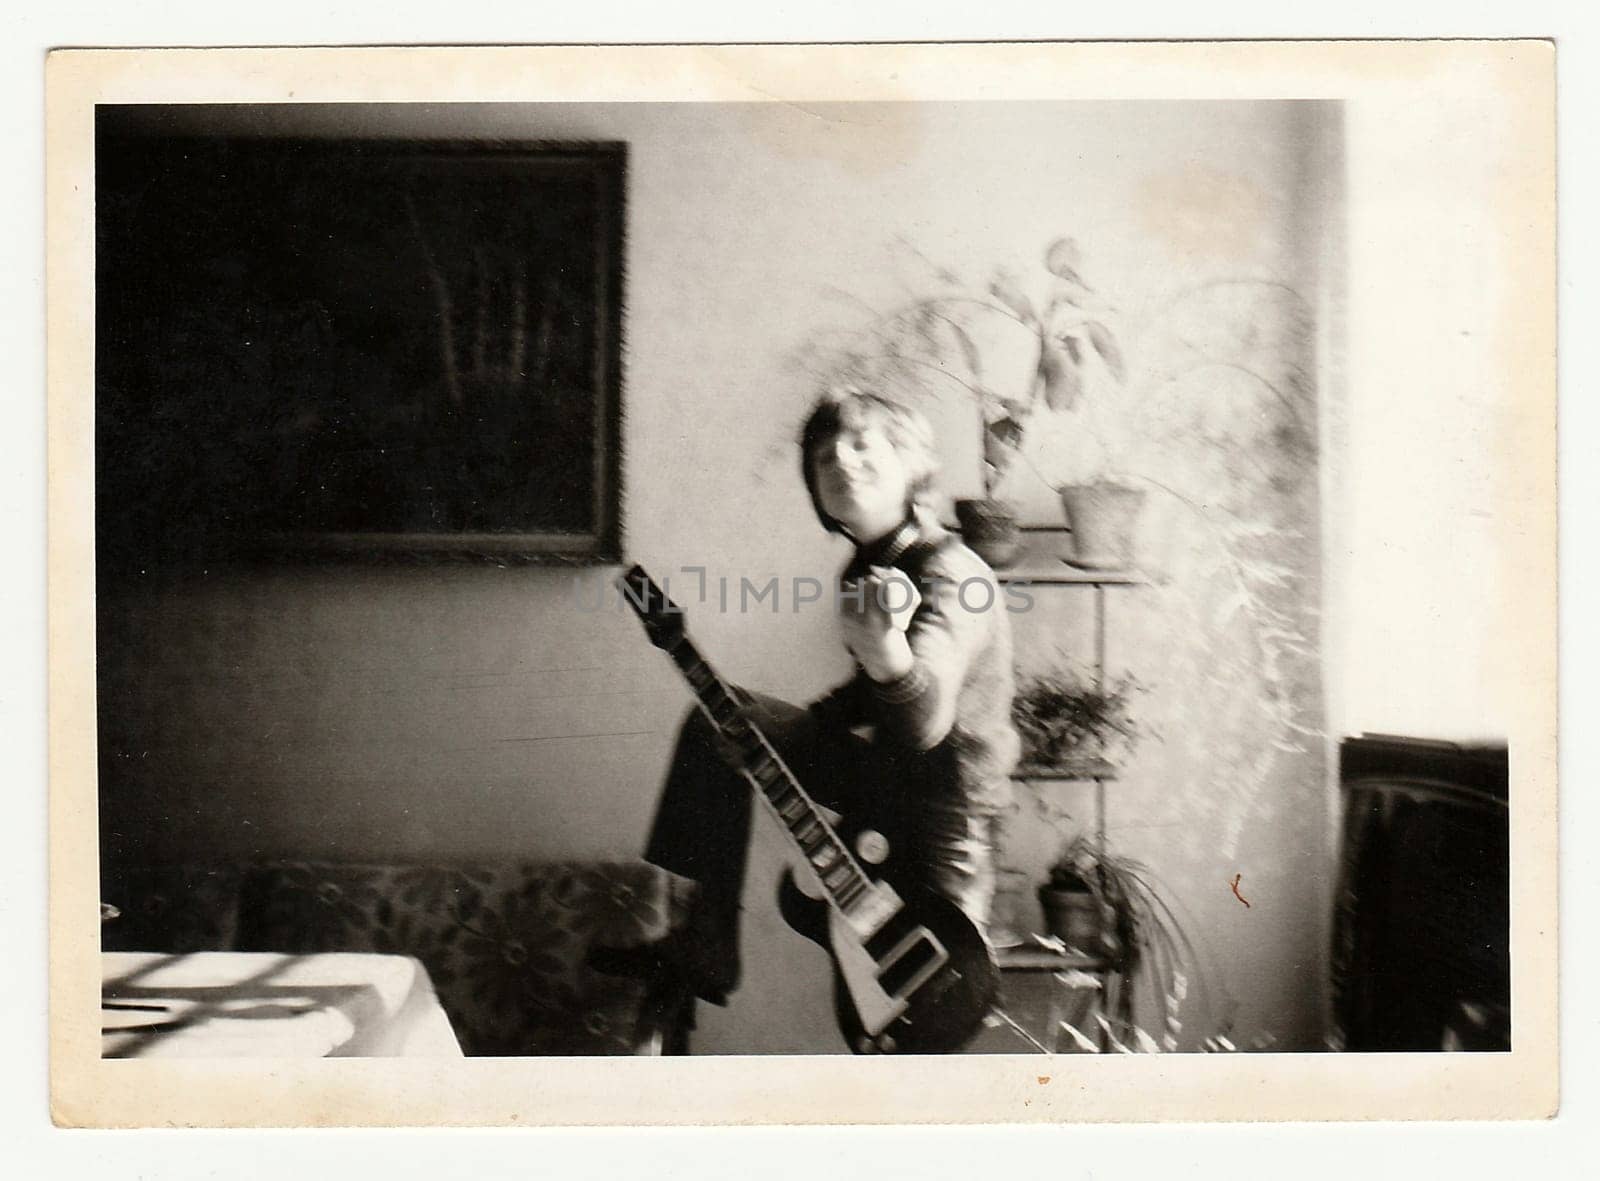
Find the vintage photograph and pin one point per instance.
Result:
(709, 579)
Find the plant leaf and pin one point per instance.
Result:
(1063, 258)
(1000, 443)
(1007, 431)
(1104, 344)
(1105, 1028)
(1078, 1039)
(1060, 377)
(969, 351)
(1066, 296)
(1004, 288)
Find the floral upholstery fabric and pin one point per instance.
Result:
(505, 944)
(172, 908)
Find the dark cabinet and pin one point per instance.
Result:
(1421, 955)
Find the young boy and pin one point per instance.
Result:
(933, 684)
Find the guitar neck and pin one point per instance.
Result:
(759, 762)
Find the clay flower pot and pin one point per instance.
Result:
(989, 528)
(1072, 916)
(1102, 517)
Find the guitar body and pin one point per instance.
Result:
(943, 1012)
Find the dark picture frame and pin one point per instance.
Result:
(379, 349)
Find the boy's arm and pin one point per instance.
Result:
(918, 705)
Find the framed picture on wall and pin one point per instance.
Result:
(358, 347)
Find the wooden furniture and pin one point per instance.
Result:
(1422, 915)
(505, 942)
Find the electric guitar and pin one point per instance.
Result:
(911, 971)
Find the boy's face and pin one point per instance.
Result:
(861, 480)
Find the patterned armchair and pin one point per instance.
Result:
(504, 943)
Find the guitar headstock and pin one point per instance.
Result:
(662, 618)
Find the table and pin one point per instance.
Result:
(218, 1004)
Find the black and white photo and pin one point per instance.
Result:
(1077, 580)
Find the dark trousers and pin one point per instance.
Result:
(702, 825)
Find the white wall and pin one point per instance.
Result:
(1432, 498)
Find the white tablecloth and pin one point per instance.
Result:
(265, 1005)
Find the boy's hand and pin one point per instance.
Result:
(874, 629)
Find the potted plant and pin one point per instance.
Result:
(1102, 514)
(1068, 338)
(1107, 905)
(1011, 353)
(1072, 908)
(1081, 377)
(1215, 427)
(1068, 722)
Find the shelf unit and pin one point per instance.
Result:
(1042, 959)
(1041, 564)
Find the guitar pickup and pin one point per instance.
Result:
(911, 962)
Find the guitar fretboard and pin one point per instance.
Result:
(841, 876)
